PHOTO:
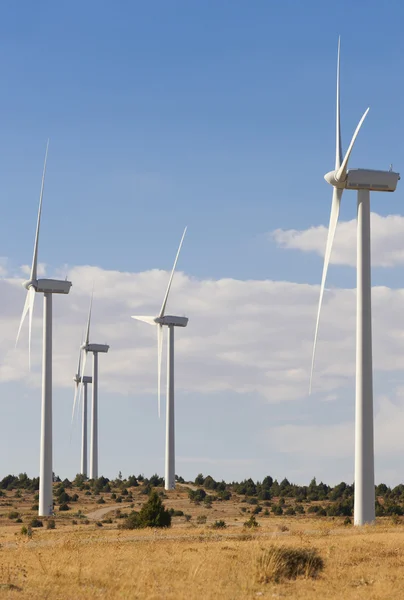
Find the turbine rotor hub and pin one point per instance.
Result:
(30, 283)
(331, 178)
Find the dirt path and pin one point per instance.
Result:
(98, 514)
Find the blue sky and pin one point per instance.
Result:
(214, 114)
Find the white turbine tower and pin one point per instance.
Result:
(95, 349)
(47, 287)
(85, 380)
(363, 181)
(169, 321)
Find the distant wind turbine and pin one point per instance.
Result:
(47, 287)
(364, 181)
(85, 381)
(95, 349)
(169, 321)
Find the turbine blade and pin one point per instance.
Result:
(87, 338)
(31, 294)
(163, 307)
(35, 256)
(150, 320)
(81, 379)
(336, 201)
(77, 382)
(341, 173)
(28, 308)
(159, 357)
(338, 149)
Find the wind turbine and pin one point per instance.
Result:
(169, 321)
(47, 287)
(84, 380)
(95, 349)
(363, 181)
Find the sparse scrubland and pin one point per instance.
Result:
(205, 539)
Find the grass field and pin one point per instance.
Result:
(84, 557)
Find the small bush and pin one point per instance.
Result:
(101, 500)
(36, 523)
(176, 513)
(347, 521)
(201, 519)
(98, 524)
(50, 524)
(64, 507)
(19, 520)
(290, 511)
(24, 530)
(35, 507)
(13, 514)
(251, 523)
(219, 525)
(279, 563)
(152, 514)
(187, 518)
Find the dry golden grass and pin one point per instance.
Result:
(189, 562)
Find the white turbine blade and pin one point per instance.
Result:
(341, 173)
(77, 382)
(28, 308)
(336, 201)
(35, 256)
(87, 338)
(338, 149)
(163, 307)
(159, 357)
(149, 320)
(82, 377)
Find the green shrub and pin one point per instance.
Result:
(35, 507)
(36, 523)
(50, 524)
(101, 500)
(13, 514)
(152, 514)
(251, 523)
(219, 525)
(64, 507)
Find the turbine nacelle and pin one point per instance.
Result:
(364, 179)
(170, 320)
(51, 286)
(95, 347)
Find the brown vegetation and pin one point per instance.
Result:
(282, 558)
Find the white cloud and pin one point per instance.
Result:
(3, 266)
(387, 241)
(41, 269)
(242, 337)
(246, 341)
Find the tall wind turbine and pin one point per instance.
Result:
(85, 381)
(47, 287)
(169, 321)
(363, 181)
(95, 349)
